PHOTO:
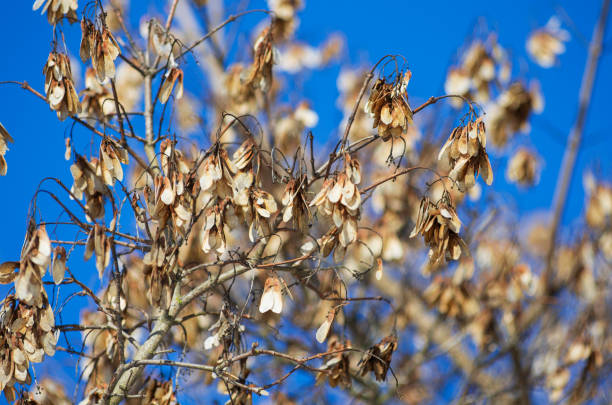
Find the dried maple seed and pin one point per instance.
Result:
(272, 297)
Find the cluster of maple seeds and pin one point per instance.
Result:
(218, 223)
(377, 360)
(112, 155)
(523, 167)
(32, 267)
(259, 74)
(338, 364)
(240, 97)
(483, 64)
(285, 13)
(295, 203)
(545, 45)
(26, 329)
(86, 182)
(599, 205)
(172, 195)
(389, 107)
(233, 183)
(159, 393)
(511, 111)
(26, 335)
(97, 101)
(58, 9)
(465, 153)
(101, 47)
(254, 205)
(90, 177)
(340, 199)
(440, 226)
(244, 83)
(452, 299)
(59, 86)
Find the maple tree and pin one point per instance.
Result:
(263, 257)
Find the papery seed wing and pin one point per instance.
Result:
(267, 301)
(277, 308)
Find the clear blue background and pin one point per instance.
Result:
(427, 33)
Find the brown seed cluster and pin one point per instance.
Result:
(218, 223)
(340, 199)
(26, 335)
(112, 156)
(97, 101)
(295, 203)
(523, 168)
(217, 175)
(440, 226)
(58, 9)
(169, 199)
(240, 97)
(244, 84)
(159, 393)
(32, 267)
(483, 66)
(544, 45)
(452, 299)
(233, 187)
(259, 74)
(27, 323)
(285, 20)
(90, 177)
(465, 153)
(389, 107)
(88, 183)
(100, 46)
(511, 111)
(599, 205)
(378, 358)
(338, 365)
(254, 205)
(59, 86)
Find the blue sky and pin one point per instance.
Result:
(427, 33)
